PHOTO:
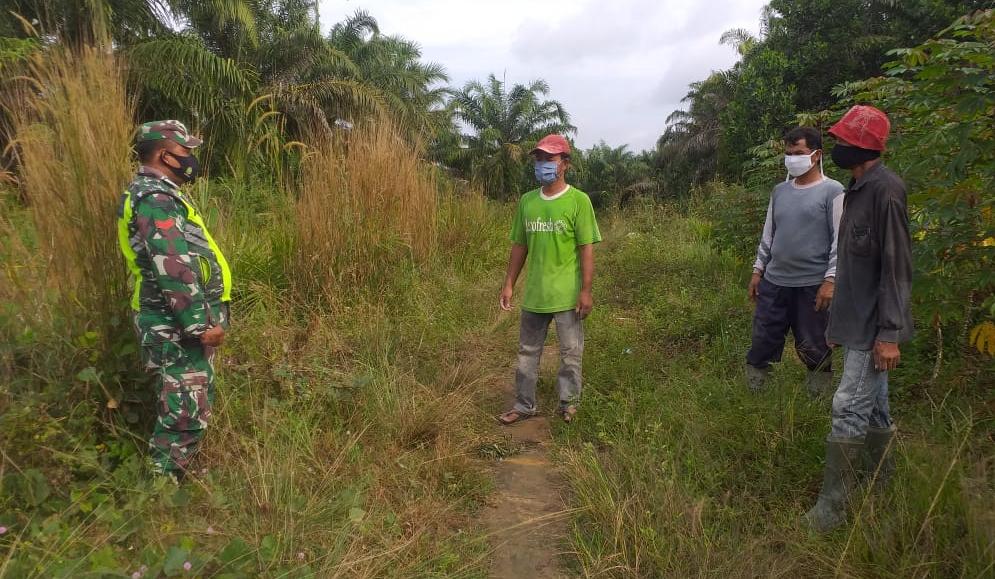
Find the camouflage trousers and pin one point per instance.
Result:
(185, 394)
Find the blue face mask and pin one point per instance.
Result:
(547, 172)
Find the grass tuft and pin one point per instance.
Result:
(367, 203)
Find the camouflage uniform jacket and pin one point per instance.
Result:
(182, 282)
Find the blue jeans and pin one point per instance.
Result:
(861, 401)
(532, 337)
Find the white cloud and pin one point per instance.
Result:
(618, 67)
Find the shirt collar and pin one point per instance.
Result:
(146, 171)
(556, 195)
(856, 185)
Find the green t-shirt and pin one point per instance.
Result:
(552, 229)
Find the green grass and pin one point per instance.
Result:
(349, 434)
(345, 440)
(680, 471)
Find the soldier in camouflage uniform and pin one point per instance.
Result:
(182, 286)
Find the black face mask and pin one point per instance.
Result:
(847, 157)
(189, 167)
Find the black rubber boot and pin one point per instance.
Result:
(839, 482)
(879, 456)
(756, 378)
(818, 383)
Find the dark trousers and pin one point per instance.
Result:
(780, 309)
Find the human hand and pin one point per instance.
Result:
(506, 293)
(825, 296)
(886, 356)
(585, 303)
(213, 337)
(754, 288)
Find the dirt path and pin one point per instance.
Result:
(527, 521)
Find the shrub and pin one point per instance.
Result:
(737, 214)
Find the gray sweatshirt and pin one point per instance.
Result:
(798, 246)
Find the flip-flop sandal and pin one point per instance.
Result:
(512, 416)
(569, 413)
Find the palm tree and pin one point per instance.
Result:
(74, 22)
(248, 70)
(614, 174)
(243, 72)
(688, 149)
(741, 39)
(414, 91)
(502, 126)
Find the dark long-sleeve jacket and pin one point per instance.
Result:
(874, 267)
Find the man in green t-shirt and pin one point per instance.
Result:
(556, 230)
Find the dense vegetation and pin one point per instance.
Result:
(363, 204)
(811, 63)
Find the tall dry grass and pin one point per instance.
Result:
(367, 202)
(73, 129)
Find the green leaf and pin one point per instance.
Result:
(236, 555)
(36, 488)
(218, 498)
(180, 498)
(104, 560)
(89, 375)
(175, 558)
(127, 348)
(268, 548)
(356, 515)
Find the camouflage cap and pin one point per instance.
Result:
(172, 130)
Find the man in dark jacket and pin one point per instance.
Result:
(870, 315)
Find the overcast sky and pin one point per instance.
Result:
(618, 66)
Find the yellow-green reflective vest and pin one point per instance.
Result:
(215, 274)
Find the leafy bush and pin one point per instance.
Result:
(941, 99)
(737, 213)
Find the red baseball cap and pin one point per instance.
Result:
(863, 126)
(554, 145)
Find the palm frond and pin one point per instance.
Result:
(184, 71)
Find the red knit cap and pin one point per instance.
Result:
(863, 126)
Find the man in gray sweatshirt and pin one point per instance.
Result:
(795, 269)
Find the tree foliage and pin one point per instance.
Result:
(613, 175)
(392, 65)
(805, 48)
(501, 127)
(688, 150)
(941, 98)
(253, 76)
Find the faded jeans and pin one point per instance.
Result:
(861, 401)
(532, 338)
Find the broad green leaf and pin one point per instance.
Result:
(176, 556)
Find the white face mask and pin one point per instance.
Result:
(798, 165)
